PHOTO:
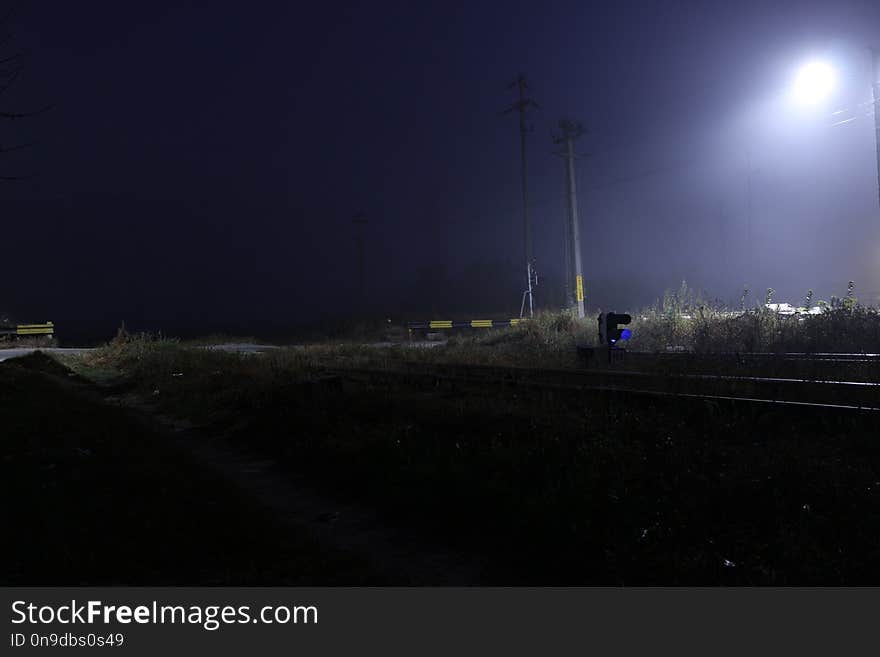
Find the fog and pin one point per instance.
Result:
(200, 167)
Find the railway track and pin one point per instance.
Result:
(852, 367)
(798, 356)
(830, 394)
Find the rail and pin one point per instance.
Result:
(850, 395)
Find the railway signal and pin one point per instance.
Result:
(609, 331)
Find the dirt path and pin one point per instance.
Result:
(388, 555)
(396, 555)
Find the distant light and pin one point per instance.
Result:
(814, 82)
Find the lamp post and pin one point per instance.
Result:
(814, 82)
(875, 97)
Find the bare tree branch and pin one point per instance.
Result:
(10, 68)
(11, 78)
(9, 14)
(27, 176)
(10, 149)
(12, 58)
(22, 115)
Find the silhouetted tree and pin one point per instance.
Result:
(11, 66)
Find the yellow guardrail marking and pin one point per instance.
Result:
(471, 323)
(35, 329)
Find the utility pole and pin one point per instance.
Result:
(567, 288)
(571, 130)
(722, 238)
(875, 88)
(521, 106)
(360, 222)
(750, 245)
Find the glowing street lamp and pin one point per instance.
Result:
(814, 82)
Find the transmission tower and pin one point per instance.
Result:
(521, 106)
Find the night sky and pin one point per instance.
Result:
(202, 162)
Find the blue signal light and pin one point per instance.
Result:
(625, 334)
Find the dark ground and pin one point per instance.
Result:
(552, 488)
(94, 494)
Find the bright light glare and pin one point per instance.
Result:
(814, 82)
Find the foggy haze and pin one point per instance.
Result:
(202, 163)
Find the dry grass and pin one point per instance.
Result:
(549, 340)
(711, 331)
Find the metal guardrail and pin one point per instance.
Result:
(47, 328)
(452, 324)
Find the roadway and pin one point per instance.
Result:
(6, 354)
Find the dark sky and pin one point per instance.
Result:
(202, 161)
